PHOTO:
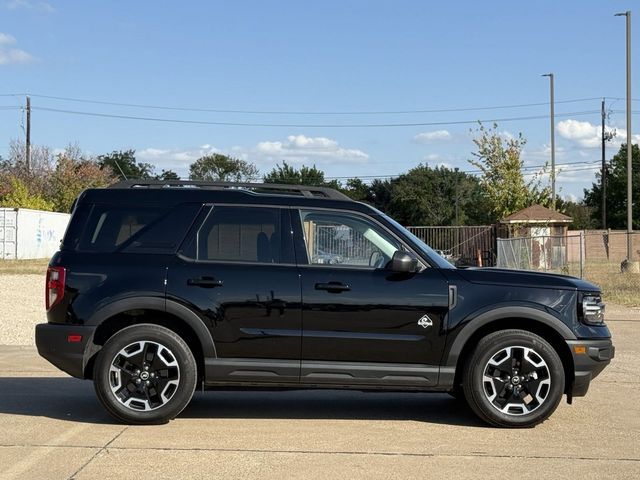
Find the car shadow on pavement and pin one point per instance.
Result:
(61, 398)
(70, 399)
(437, 408)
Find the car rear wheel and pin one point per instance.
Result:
(513, 378)
(145, 374)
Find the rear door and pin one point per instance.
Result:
(237, 270)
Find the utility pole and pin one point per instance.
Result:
(457, 211)
(553, 142)
(629, 144)
(28, 135)
(603, 176)
(606, 137)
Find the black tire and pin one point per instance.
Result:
(152, 399)
(535, 383)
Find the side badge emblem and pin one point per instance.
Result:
(425, 321)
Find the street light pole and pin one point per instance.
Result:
(553, 142)
(629, 144)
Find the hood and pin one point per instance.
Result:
(525, 278)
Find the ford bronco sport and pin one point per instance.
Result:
(162, 287)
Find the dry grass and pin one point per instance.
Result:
(20, 267)
(617, 288)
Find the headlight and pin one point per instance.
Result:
(592, 309)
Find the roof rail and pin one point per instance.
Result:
(259, 188)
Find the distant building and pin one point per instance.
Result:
(537, 220)
(542, 239)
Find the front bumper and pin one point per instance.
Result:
(589, 359)
(53, 342)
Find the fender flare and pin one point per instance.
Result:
(184, 313)
(529, 313)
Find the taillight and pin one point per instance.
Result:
(55, 286)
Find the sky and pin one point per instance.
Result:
(326, 83)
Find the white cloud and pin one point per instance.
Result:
(583, 178)
(29, 5)
(6, 39)
(508, 135)
(10, 55)
(434, 136)
(584, 133)
(296, 149)
(301, 149)
(588, 135)
(444, 165)
(174, 159)
(542, 154)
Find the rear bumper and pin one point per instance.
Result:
(588, 362)
(53, 344)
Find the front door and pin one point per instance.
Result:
(238, 272)
(363, 323)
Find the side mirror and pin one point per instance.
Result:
(402, 262)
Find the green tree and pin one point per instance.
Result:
(73, 173)
(358, 190)
(579, 212)
(36, 177)
(16, 194)
(167, 175)
(122, 165)
(499, 159)
(617, 191)
(304, 175)
(380, 194)
(428, 196)
(222, 168)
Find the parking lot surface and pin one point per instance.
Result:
(52, 426)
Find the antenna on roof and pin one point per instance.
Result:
(118, 165)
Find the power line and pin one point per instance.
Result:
(295, 112)
(309, 125)
(464, 159)
(592, 164)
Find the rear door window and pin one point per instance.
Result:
(242, 234)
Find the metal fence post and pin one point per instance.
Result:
(581, 255)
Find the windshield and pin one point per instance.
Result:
(425, 249)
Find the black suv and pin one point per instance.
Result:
(161, 287)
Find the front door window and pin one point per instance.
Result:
(345, 240)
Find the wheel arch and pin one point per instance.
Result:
(535, 321)
(172, 315)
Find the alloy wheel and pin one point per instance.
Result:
(144, 375)
(516, 380)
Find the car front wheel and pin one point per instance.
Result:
(145, 374)
(513, 378)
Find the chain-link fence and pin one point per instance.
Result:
(461, 245)
(595, 255)
(340, 244)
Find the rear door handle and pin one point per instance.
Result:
(333, 287)
(204, 282)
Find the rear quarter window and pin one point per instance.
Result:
(136, 229)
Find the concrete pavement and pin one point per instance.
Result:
(52, 426)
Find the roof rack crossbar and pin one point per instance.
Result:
(263, 188)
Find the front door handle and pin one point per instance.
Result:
(333, 287)
(204, 282)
